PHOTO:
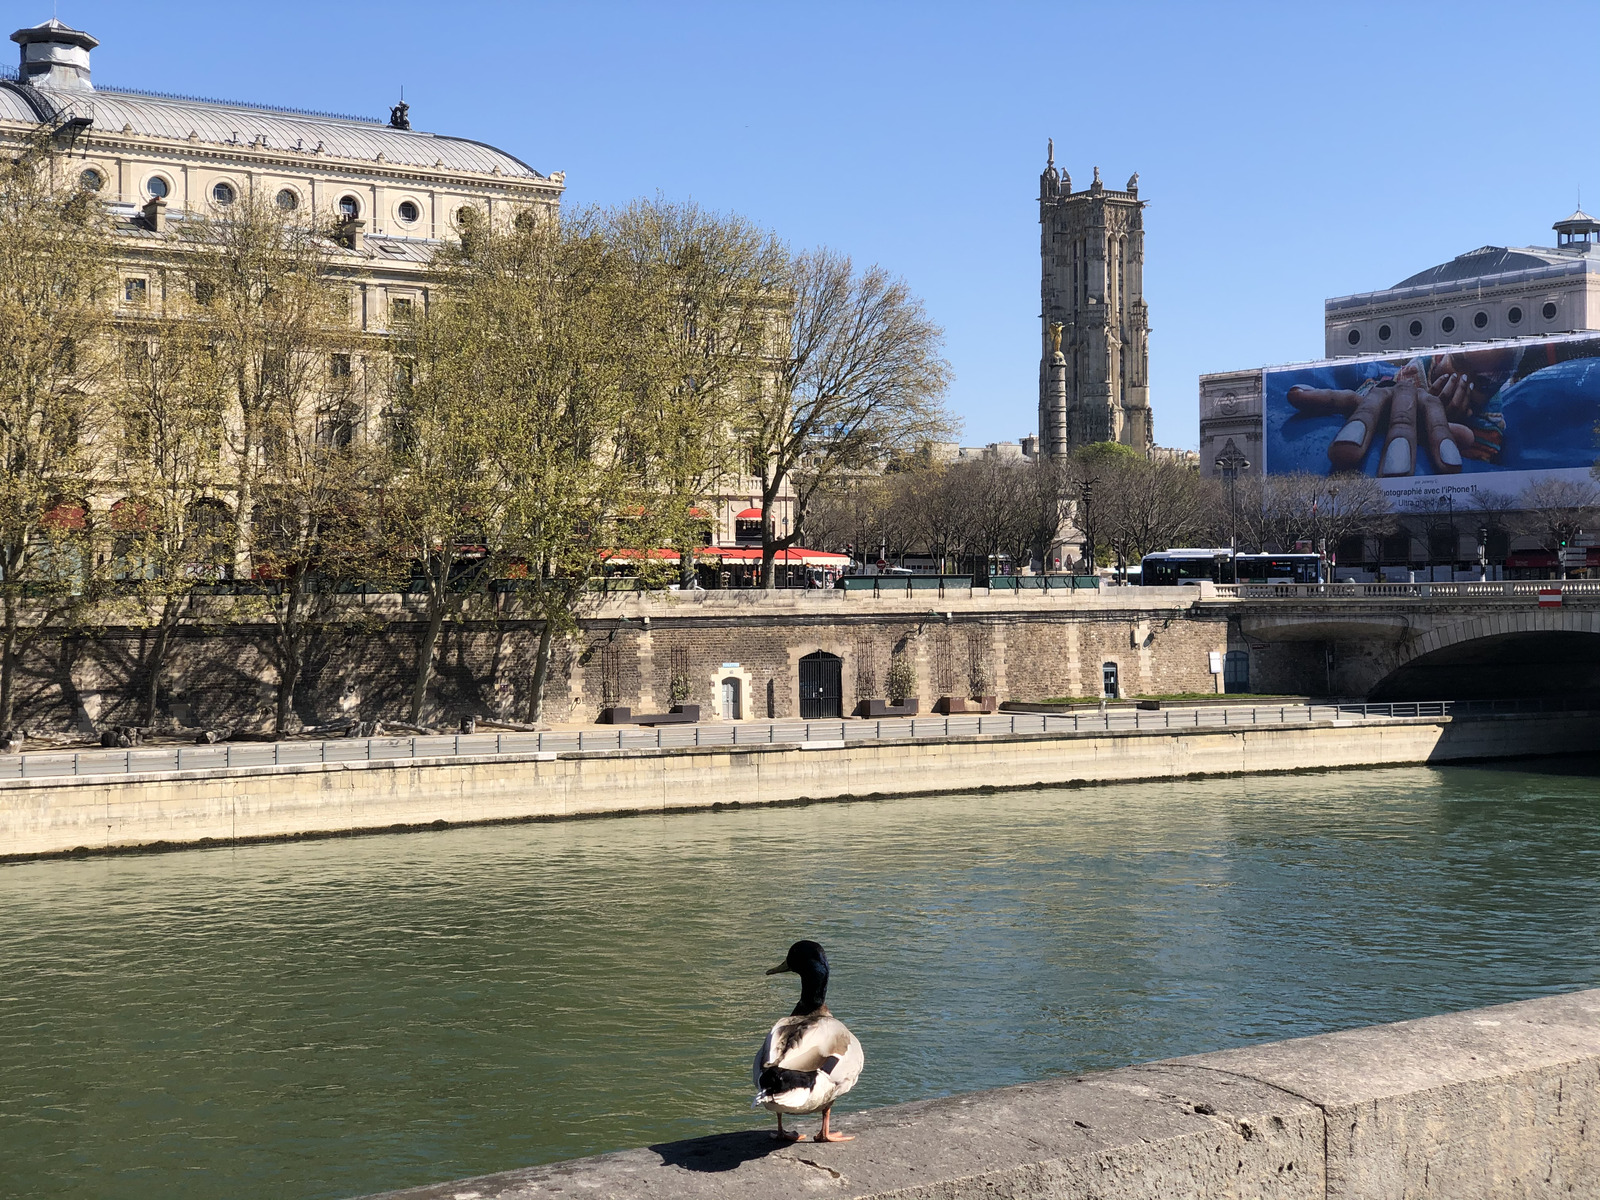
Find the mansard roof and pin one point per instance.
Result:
(1486, 260)
(240, 126)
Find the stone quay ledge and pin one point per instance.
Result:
(1480, 1105)
(172, 809)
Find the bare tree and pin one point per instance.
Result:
(275, 313)
(166, 532)
(265, 292)
(938, 510)
(856, 378)
(1151, 505)
(1276, 512)
(1555, 511)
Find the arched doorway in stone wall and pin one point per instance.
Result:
(821, 686)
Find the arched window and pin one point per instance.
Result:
(349, 207)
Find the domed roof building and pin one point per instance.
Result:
(1491, 292)
(394, 192)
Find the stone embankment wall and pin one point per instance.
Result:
(1481, 1105)
(57, 815)
(628, 650)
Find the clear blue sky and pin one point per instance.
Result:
(1289, 152)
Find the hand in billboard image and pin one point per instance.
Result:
(1408, 410)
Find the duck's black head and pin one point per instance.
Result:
(807, 960)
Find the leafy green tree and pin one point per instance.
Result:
(701, 294)
(54, 311)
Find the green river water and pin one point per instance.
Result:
(327, 1019)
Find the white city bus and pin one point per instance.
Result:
(1171, 568)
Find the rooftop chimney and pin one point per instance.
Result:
(55, 55)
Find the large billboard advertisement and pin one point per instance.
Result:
(1485, 419)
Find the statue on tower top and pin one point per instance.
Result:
(1050, 180)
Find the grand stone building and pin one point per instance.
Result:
(393, 192)
(1490, 292)
(387, 195)
(1094, 326)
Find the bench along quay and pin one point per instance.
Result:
(57, 803)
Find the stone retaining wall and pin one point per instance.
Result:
(1482, 1105)
(627, 650)
(52, 816)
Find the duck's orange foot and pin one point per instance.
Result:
(825, 1135)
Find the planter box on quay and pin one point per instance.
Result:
(951, 705)
(882, 708)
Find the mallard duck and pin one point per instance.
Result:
(809, 1059)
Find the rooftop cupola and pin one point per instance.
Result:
(55, 55)
(1580, 229)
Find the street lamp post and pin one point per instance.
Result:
(1455, 538)
(1229, 463)
(1086, 492)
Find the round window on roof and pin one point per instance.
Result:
(91, 180)
(1549, 311)
(1514, 315)
(408, 212)
(157, 186)
(1384, 333)
(287, 200)
(1414, 329)
(466, 215)
(1353, 337)
(223, 194)
(1480, 319)
(349, 206)
(1448, 324)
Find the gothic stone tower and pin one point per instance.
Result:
(1094, 366)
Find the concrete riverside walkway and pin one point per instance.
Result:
(46, 765)
(1491, 1103)
(257, 801)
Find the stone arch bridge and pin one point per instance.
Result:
(1417, 641)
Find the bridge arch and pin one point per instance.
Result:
(1498, 655)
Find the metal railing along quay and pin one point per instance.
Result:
(1524, 589)
(751, 734)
